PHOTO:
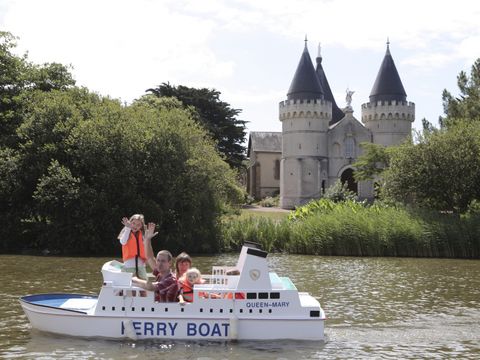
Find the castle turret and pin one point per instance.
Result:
(305, 117)
(388, 114)
(337, 114)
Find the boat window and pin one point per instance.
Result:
(275, 295)
(314, 313)
(238, 296)
(263, 295)
(251, 295)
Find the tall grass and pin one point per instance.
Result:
(270, 233)
(356, 229)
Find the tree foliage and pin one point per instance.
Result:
(18, 77)
(216, 116)
(75, 163)
(440, 171)
(339, 192)
(467, 105)
(374, 159)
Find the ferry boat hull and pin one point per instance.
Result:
(241, 310)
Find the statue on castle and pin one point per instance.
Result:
(348, 97)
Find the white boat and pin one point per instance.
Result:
(255, 304)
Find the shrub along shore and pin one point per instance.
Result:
(351, 228)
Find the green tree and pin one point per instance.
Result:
(374, 159)
(83, 161)
(440, 171)
(467, 105)
(218, 118)
(18, 77)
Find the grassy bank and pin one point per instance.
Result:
(354, 229)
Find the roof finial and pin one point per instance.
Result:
(388, 42)
(306, 40)
(319, 50)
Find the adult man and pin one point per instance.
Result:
(165, 286)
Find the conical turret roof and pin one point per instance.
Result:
(305, 84)
(388, 85)
(337, 114)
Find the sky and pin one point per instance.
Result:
(249, 49)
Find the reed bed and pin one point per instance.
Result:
(356, 229)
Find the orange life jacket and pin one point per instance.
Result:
(186, 289)
(134, 247)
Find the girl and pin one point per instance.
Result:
(191, 277)
(133, 248)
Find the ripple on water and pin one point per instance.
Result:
(376, 307)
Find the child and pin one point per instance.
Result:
(133, 248)
(191, 277)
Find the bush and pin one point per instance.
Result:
(83, 162)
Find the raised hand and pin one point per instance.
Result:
(126, 222)
(150, 231)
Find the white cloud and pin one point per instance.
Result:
(120, 48)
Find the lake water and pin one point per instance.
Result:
(387, 308)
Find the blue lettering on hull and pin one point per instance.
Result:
(273, 304)
(172, 329)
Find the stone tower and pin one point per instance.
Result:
(305, 117)
(388, 114)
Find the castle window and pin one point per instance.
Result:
(349, 147)
(276, 170)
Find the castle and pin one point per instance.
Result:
(319, 141)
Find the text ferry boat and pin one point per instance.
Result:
(254, 304)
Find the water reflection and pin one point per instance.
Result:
(376, 307)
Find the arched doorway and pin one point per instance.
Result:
(347, 177)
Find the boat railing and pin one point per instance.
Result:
(221, 279)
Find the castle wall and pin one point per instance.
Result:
(304, 145)
(389, 121)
